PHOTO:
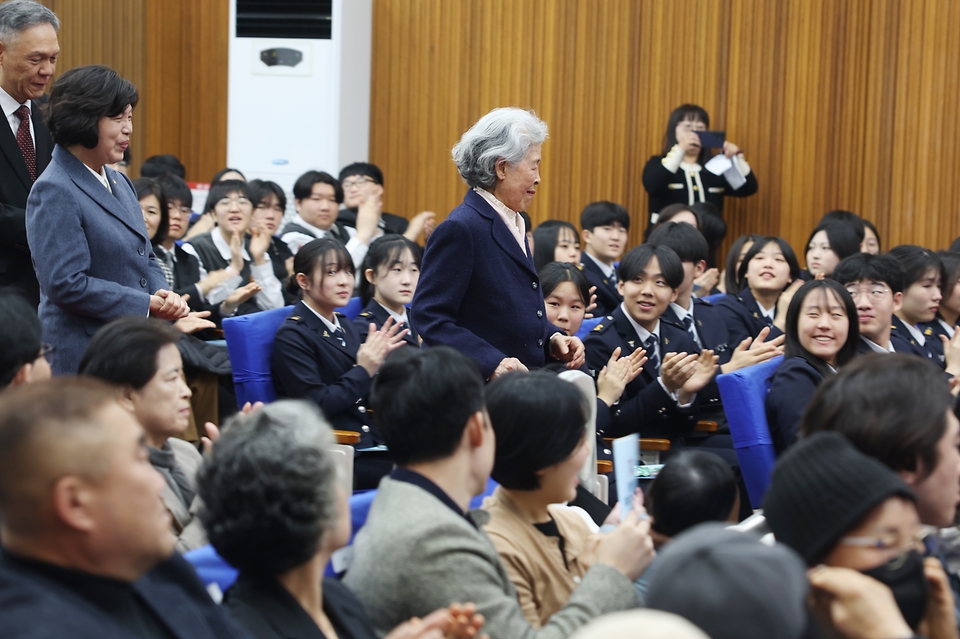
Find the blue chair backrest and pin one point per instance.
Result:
(250, 345)
(587, 326)
(352, 309)
(713, 299)
(744, 395)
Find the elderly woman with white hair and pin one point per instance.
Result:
(479, 292)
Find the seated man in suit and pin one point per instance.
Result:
(604, 226)
(87, 550)
(23, 358)
(420, 550)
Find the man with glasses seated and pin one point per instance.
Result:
(360, 181)
(22, 355)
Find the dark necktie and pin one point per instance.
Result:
(650, 345)
(687, 322)
(26, 142)
(338, 333)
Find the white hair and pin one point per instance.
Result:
(503, 134)
(17, 16)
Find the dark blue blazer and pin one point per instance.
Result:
(899, 345)
(34, 604)
(608, 297)
(91, 252)
(479, 293)
(308, 362)
(644, 407)
(742, 316)
(793, 386)
(933, 344)
(903, 334)
(374, 312)
(713, 336)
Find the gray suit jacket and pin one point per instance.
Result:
(91, 253)
(190, 532)
(415, 555)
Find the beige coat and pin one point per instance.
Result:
(186, 525)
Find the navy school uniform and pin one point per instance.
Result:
(898, 343)
(927, 350)
(376, 313)
(743, 317)
(608, 297)
(793, 386)
(933, 344)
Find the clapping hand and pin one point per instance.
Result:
(259, 243)
(754, 351)
(619, 372)
(458, 621)
(379, 344)
(588, 313)
(167, 305)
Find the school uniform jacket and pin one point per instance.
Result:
(927, 351)
(608, 297)
(742, 315)
(644, 407)
(793, 386)
(374, 312)
(899, 345)
(713, 336)
(308, 362)
(933, 345)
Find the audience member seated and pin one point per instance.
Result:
(140, 357)
(87, 550)
(389, 277)
(420, 550)
(730, 282)
(875, 283)
(23, 356)
(822, 336)
(923, 274)
(678, 213)
(541, 447)
(228, 248)
(871, 239)
(360, 181)
(769, 275)
(714, 230)
(605, 226)
(660, 401)
(655, 623)
(828, 244)
(277, 512)
(841, 509)
(318, 355)
(157, 166)
(270, 202)
(944, 325)
(555, 241)
(730, 585)
(848, 218)
(227, 174)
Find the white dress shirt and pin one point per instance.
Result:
(357, 249)
(876, 348)
(607, 269)
(271, 293)
(9, 106)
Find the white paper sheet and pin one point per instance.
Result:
(626, 453)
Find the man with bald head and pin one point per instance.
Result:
(86, 544)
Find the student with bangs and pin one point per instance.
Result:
(822, 332)
(390, 273)
(829, 243)
(871, 239)
(555, 241)
(605, 226)
(847, 218)
(659, 402)
(948, 316)
(318, 355)
(923, 274)
(769, 276)
(269, 205)
(729, 281)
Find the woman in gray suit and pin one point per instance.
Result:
(90, 246)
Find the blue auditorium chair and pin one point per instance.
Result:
(713, 299)
(250, 345)
(587, 326)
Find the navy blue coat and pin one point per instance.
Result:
(899, 345)
(308, 362)
(479, 293)
(713, 336)
(608, 297)
(903, 334)
(743, 318)
(374, 312)
(91, 252)
(644, 407)
(35, 604)
(793, 386)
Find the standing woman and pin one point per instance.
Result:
(479, 292)
(84, 225)
(677, 175)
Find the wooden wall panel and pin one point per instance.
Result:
(836, 103)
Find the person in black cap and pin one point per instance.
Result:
(838, 507)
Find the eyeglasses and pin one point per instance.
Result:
(926, 541)
(186, 210)
(357, 183)
(45, 350)
(265, 207)
(875, 293)
(228, 200)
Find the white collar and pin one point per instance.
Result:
(223, 246)
(916, 332)
(102, 177)
(949, 329)
(681, 311)
(687, 166)
(331, 326)
(607, 269)
(770, 314)
(397, 317)
(876, 348)
(9, 104)
(642, 333)
(315, 230)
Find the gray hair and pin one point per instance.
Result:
(17, 16)
(503, 134)
(269, 488)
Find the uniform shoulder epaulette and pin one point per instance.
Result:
(339, 314)
(294, 318)
(365, 314)
(928, 332)
(604, 324)
(704, 302)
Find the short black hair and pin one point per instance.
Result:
(176, 189)
(793, 347)
(386, 250)
(219, 175)
(951, 266)
(144, 187)
(713, 227)
(731, 279)
(681, 113)
(365, 169)
(124, 352)
(892, 407)
(873, 268)
(303, 187)
(670, 211)
(80, 98)
(692, 487)
(157, 166)
(421, 401)
(868, 224)
(539, 420)
(554, 274)
(545, 239)
(687, 242)
(314, 252)
(758, 245)
(916, 261)
(263, 188)
(843, 241)
(224, 188)
(20, 338)
(848, 218)
(602, 214)
(638, 257)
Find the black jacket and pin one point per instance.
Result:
(665, 187)
(374, 312)
(743, 318)
(608, 297)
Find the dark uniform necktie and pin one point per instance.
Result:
(650, 345)
(338, 333)
(26, 142)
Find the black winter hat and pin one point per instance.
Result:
(823, 487)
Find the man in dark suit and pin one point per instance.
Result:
(28, 58)
(87, 549)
